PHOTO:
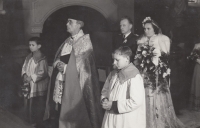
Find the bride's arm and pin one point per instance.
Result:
(161, 44)
(164, 43)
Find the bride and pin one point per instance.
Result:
(159, 107)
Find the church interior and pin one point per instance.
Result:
(23, 19)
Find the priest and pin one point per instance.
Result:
(74, 90)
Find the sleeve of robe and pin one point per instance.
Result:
(41, 72)
(23, 69)
(137, 95)
(105, 90)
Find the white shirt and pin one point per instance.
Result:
(127, 34)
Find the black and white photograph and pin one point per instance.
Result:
(99, 63)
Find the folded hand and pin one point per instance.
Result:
(107, 105)
(60, 66)
(28, 79)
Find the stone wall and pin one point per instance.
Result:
(19, 53)
(36, 12)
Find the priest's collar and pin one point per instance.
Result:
(78, 35)
(127, 72)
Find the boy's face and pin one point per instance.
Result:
(34, 46)
(120, 61)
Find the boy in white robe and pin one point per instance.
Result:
(123, 94)
(36, 78)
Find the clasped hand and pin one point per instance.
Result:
(60, 65)
(27, 78)
(106, 104)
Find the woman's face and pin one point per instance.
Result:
(148, 30)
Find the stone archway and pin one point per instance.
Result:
(54, 32)
(39, 10)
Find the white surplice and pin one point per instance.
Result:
(132, 110)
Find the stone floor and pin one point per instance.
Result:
(190, 118)
(15, 117)
(10, 120)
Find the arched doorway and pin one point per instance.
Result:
(54, 32)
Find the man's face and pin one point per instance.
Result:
(120, 61)
(125, 26)
(72, 26)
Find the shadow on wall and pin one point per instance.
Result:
(10, 78)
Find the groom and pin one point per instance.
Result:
(126, 38)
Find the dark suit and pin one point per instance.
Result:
(131, 41)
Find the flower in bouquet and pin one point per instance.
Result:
(143, 40)
(25, 89)
(163, 65)
(125, 41)
(194, 55)
(145, 55)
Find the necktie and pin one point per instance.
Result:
(125, 40)
(124, 36)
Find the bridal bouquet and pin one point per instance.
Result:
(144, 56)
(194, 55)
(152, 74)
(146, 66)
(25, 89)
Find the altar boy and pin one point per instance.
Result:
(123, 94)
(35, 78)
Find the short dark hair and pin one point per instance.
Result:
(124, 50)
(36, 39)
(127, 18)
(155, 28)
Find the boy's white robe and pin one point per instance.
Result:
(130, 96)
